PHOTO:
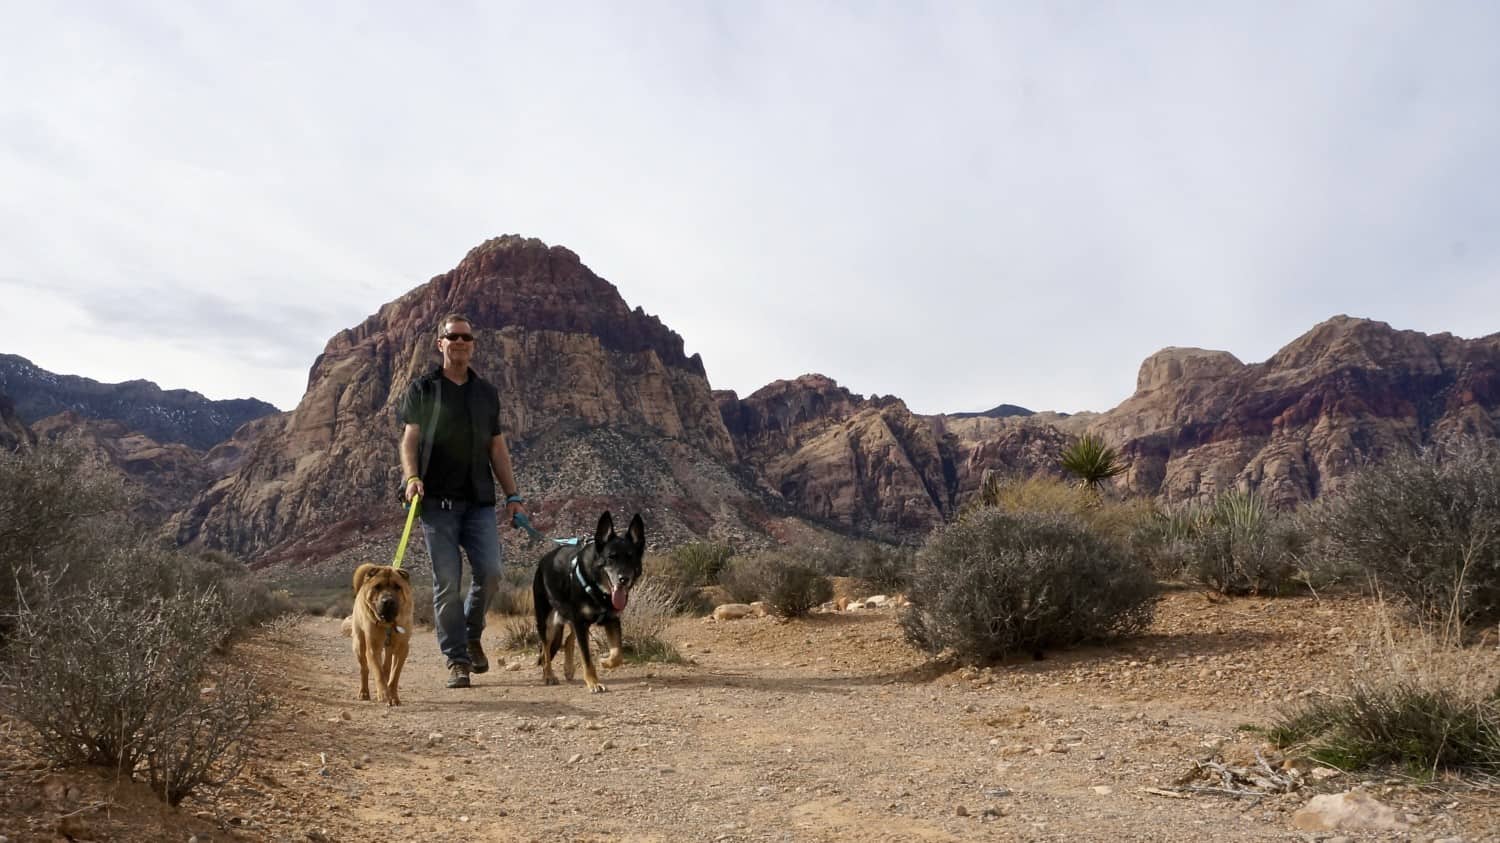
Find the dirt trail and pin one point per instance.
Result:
(822, 729)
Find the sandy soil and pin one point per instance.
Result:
(829, 728)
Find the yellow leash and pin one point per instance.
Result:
(411, 515)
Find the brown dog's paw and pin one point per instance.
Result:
(364, 694)
(549, 678)
(613, 661)
(597, 689)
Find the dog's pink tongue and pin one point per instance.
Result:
(619, 597)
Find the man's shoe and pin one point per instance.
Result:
(478, 663)
(458, 675)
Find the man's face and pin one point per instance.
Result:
(456, 343)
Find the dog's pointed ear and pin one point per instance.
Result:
(405, 574)
(637, 532)
(361, 574)
(605, 529)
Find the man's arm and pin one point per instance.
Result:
(411, 437)
(500, 464)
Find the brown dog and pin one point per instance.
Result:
(381, 628)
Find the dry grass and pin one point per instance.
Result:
(1430, 704)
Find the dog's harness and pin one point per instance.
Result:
(591, 588)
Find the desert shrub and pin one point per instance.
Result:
(57, 500)
(883, 567)
(1421, 701)
(669, 576)
(995, 583)
(1235, 545)
(1419, 729)
(643, 625)
(514, 600)
(745, 578)
(790, 588)
(114, 678)
(700, 563)
(886, 568)
(1426, 527)
(518, 632)
(1116, 519)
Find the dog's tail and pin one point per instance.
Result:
(347, 627)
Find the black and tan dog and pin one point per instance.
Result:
(577, 586)
(381, 628)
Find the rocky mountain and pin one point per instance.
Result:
(168, 416)
(13, 432)
(162, 478)
(604, 408)
(1344, 394)
(1347, 393)
(601, 404)
(871, 465)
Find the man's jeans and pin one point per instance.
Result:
(460, 620)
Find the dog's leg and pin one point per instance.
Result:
(375, 653)
(568, 668)
(364, 667)
(552, 638)
(398, 648)
(612, 632)
(589, 676)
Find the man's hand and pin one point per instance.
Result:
(414, 488)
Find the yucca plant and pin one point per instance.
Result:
(1091, 461)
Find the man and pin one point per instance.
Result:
(452, 452)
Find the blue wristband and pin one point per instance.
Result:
(515, 499)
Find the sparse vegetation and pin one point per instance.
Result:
(118, 679)
(1425, 704)
(1421, 731)
(1114, 519)
(110, 640)
(1235, 545)
(1426, 528)
(996, 583)
(700, 563)
(790, 588)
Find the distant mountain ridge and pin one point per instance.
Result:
(165, 415)
(604, 409)
(1003, 411)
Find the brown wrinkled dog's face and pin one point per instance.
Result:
(384, 588)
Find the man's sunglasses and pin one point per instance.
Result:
(459, 337)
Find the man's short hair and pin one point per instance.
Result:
(450, 319)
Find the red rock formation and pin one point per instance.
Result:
(1346, 393)
(567, 354)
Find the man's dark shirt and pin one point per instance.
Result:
(468, 418)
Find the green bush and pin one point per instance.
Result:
(1427, 528)
(665, 573)
(1235, 545)
(789, 588)
(1420, 729)
(996, 583)
(701, 562)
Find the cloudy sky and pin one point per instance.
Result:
(961, 205)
